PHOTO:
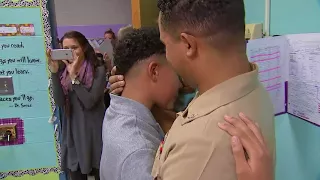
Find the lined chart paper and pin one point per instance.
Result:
(270, 54)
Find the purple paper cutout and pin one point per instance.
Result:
(19, 130)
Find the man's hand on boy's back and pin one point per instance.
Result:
(116, 82)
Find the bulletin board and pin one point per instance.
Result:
(25, 94)
(289, 69)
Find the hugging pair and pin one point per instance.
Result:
(197, 143)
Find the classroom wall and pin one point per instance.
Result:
(254, 11)
(298, 144)
(90, 31)
(92, 17)
(300, 16)
(30, 100)
(149, 15)
(92, 12)
(286, 16)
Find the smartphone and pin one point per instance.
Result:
(106, 47)
(61, 54)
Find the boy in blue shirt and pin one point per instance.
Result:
(131, 135)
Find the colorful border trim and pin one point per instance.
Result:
(31, 172)
(48, 39)
(21, 3)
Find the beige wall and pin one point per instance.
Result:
(92, 12)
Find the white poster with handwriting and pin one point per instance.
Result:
(304, 76)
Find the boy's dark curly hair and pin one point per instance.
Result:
(136, 46)
(203, 17)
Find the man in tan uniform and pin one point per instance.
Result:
(205, 44)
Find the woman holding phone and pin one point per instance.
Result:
(78, 88)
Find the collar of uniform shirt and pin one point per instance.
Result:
(222, 94)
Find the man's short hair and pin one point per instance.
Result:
(203, 17)
(136, 46)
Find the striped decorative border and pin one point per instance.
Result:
(48, 38)
(21, 3)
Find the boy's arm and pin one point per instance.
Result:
(138, 165)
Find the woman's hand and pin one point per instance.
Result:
(116, 82)
(53, 65)
(106, 57)
(246, 135)
(73, 66)
(97, 51)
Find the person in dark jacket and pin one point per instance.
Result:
(78, 88)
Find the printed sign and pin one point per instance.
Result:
(17, 30)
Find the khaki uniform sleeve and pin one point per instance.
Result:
(200, 158)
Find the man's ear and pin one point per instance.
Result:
(190, 44)
(153, 71)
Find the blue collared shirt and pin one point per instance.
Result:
(131, 137)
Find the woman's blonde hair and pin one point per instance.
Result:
(123, 31)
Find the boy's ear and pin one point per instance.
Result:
(153, 71)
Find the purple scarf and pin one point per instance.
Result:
(85, 77)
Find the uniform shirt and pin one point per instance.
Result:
(195, 148)
(131, 137)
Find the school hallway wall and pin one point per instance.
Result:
(298, 144)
